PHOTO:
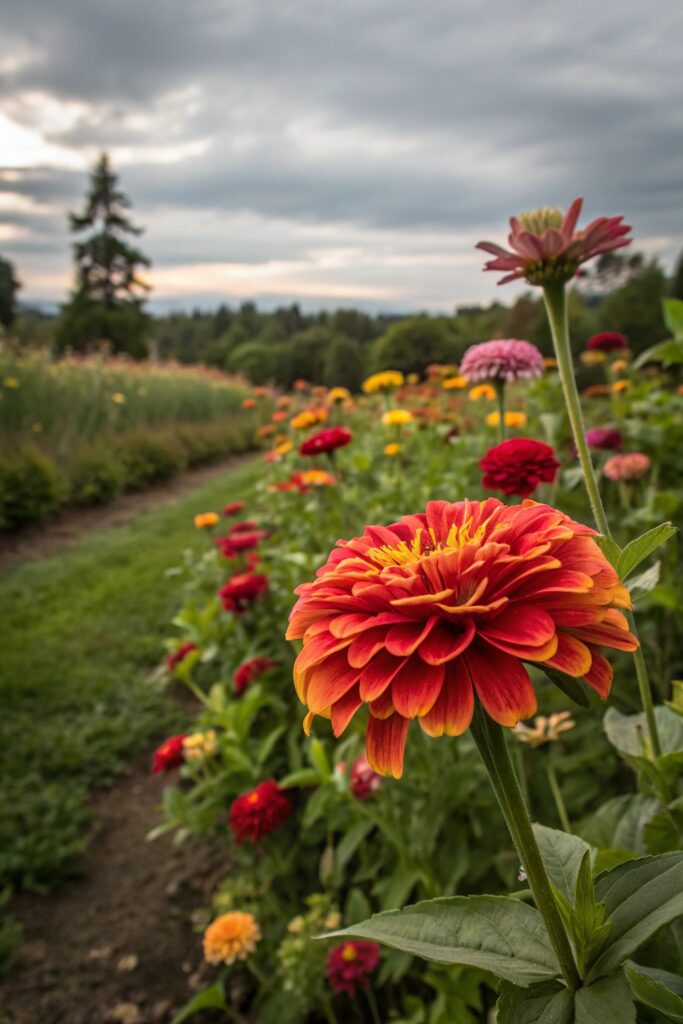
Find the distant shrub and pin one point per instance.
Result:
(413, 344)
(256, 361)
(150, 458)
(96, 475)
(344, 364)
(30, 488)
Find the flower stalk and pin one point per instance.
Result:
(490, 741)
(556, 308)
(500, 397)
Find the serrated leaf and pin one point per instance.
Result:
(540, 1004)
(640, 897)
(562, 855)
(494, 933)
(642, 547)
(607, 1000)
(654, 989)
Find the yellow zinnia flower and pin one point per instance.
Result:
(451, 383)
(621, 385)
(512, 419)
(232, 936)
(387, 380)
(338, 395)
(486, 391)
(397, 417)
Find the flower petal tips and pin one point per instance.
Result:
(422, 618)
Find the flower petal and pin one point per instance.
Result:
(377, 675)
(385, 742)
(572, 656)
(416, 687)
(502, 684)
(452, 712)
(344, 709)
(446, 642)
(599, 676)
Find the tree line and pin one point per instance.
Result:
(107, 305)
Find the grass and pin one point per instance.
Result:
(81, 633)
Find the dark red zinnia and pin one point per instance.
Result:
(169, 755)
(349, 965)
(607, 438)
(179, 655)
(242, 590)
(259, 812)
(233, 507)
(248, 671)
(518, 466)
(607, 341)
(326, 441)
(235, 543)
(244, 526)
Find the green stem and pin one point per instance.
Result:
(557, 796)
(556, 308)
(374, 1009)
(500, 397)
(490, 741)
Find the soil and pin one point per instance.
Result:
(117, 946)
(47, 539)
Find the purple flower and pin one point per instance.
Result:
(502, 359)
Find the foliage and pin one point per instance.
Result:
(9, 286)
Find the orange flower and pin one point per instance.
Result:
(514, 420)
(620, 386)
(309, 418)
(248, 403)
(204, 519)
(393, 449)
(231, 937)
(486, 391)
(454, 383)
(416, 618)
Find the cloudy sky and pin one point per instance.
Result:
(335, 153)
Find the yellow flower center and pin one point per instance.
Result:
(349, 952)
(253, 798)
(540, 220)
(406, 552)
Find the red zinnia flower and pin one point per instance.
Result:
(607, 341)
(244, 526)
(364, 779)
(545, 246)
(180, 653)
(604, 437)
(415, 618)
(326, 441)
(349, 965)
(259, 812)
(242, 590)
(233, 507)
(241, 541)
(248, 671)
(518, 466)
(169, 755)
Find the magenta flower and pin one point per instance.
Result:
(607, 438)
(503, 359)
(546, 248)
(607, 341)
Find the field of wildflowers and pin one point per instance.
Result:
(509, 578)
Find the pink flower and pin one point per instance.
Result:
(629, 466)
(607, 341)
(233, 507)
(364, 780)
(607, 438)
(503, 359)
(349, 965)
(545, 246)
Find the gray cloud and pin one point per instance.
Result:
(262, 130)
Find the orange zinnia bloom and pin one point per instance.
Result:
(415, 618)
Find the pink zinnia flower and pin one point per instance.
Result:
(629, 466)
(502, 359)
(607, 438)
(545, 246)
(607, 341)
(364, 779)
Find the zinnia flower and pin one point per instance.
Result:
(415, 618)
(397, 417)
(240, 592)
(308, 418)
(179, 655)
(244, 526)
(205, 519)
(544, 730)
(231, 937)
(596, 391)
(514, 420)
(336, 395)
(248, 671)
(313, 478)
(326, 441)
(233, 507)
(629, 466)
(248, 403)
(454, 383)
(393, 449)
(518, 466)
(364, 779)
(620, 386)
(604, 437)
(607, 341)
(545, 246)
(242, 540)
(502, 359)
(199, 744)
(169, 755)
(259, 812)
(387, 380)
(349, 965)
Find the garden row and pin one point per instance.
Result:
(81, 431)
(315, 836)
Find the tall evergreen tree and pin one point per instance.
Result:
(107, 303)
(9, 286)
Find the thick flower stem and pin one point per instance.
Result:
(556, 308)
(490, 740)
(500, 395)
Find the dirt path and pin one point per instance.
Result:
(49, 538)
(116, 946)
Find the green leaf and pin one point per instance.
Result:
(619, 823)
(608, 1001)
(639, 898)
(208, 999)
(318, 758)
(628, 733)
(664, 832)
(348, 846)
(610, 549)
(640, 548)
(669, 352)
(570, 687)
(562, 855)
(673, 316)
(658, 989)
(303, 777)
(494, 933)
(646, 581)
(540, 1004)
